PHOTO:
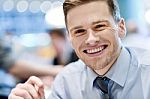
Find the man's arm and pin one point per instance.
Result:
(24, 69)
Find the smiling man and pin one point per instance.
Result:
(95, 35)
(106, 69)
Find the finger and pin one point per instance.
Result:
(38, 85)
(21, 93)
(30, 88)
(11, 96)
(41, 93)
(35, 81)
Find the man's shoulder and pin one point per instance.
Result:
(72, 71)
(143, 55)
(68, 80)
(73, 68)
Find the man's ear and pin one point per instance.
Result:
(122, 28)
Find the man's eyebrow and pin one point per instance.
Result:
(76, 27)
(96, 22)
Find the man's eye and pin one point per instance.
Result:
(99, 27)
(79, 31)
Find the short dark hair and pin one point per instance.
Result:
(113, 7)
(59, 31)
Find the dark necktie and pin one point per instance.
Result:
(102, 83)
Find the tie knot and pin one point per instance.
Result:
(102, 83)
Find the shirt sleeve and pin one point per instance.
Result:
(58, 89)
(6, 57)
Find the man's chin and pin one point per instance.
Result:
(96, 66)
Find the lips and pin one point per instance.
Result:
(95, 50)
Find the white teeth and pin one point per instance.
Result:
(95, 50)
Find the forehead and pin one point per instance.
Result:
(87, 13)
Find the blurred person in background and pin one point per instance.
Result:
(11, 67)
(64, 53)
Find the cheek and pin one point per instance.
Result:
(113, 37)
(115, 42)
(77, 44)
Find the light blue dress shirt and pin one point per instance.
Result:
(129, 79)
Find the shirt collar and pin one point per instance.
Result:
(117, 73)
(91, 76)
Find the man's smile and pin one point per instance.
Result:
(96, 51)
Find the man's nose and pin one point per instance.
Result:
(92, 37)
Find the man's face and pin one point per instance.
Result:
(94, 34)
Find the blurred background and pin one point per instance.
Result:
(24, 25)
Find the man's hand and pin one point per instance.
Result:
(33, 88)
